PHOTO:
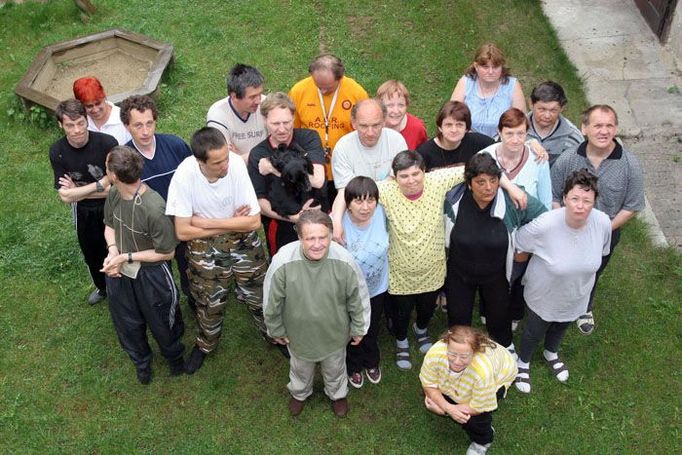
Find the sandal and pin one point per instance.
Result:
(423, 340)
(520, 383)
(585, 323)
(557, 367)
(402, 358)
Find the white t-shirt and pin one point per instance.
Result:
(245, 134)
(113, 126)
(351, 158)
(190, 193)
(561, 272)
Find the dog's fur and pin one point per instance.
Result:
(293, 190)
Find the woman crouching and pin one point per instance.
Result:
(463, 376)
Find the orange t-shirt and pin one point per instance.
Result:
(309, 114)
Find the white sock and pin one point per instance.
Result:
(417, 330)
(515, 325)
(522, 386)
(402, 343)
(549, 355)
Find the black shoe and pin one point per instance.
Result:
(283, 349)
(144, 376)
(195, 360)
(177, 367)
(97, 296)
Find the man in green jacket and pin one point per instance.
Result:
(315, 302)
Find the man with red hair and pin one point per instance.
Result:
(103, 116)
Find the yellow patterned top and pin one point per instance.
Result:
(416, 252)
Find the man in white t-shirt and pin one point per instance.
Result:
(217, 213)
(368, 151)
(238, 116)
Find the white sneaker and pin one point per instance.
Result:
(477, 449)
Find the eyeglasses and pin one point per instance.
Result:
(457, 355)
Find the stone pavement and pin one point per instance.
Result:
(622, 64)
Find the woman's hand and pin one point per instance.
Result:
(539, 151)
(519, 197)
(459, 413)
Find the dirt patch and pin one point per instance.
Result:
(118, 72)
(360, 25)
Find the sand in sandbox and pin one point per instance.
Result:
(118, 72)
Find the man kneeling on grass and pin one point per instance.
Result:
(140, 239)
(315, 301)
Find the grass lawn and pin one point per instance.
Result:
(67, 387)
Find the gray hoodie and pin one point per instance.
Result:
(566, 136)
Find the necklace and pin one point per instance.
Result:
(504, 166)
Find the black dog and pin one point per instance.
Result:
(290, 192)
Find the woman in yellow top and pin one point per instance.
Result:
(463, 376)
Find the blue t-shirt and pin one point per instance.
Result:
(158, 172)
(369, 247)
(486, 112)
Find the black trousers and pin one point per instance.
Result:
(425, 303)
(479, 428)
(615, 238)
(536, 329)
(366, 354)
(181, 261)
(516, 301)
(278, 233)
(90, 232)
(460, 288)
(150, 300)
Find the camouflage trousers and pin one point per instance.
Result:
(213, 264)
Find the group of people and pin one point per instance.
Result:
(363, 217)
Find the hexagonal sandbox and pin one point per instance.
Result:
(126, 63)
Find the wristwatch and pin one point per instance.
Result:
(98, 187)
(130, 258)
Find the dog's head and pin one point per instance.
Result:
(294, 168)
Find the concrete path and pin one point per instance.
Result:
(622, 64)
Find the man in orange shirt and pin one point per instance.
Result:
(323, 103)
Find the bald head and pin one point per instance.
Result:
(367, 117)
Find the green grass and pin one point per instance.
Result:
(67, 387)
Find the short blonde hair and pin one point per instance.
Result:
(391, 87)
(274, 100)
(477, 339)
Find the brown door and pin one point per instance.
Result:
(658, 14)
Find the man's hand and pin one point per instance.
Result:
(307, 206)
(66, 182)
(356, 340)
(282, 340)
(519, 197)
(233, 148)
(243, 210)
(112, 264)
(541, 154)
(265, 167)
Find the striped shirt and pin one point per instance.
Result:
(620, 179)
(478, 384)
